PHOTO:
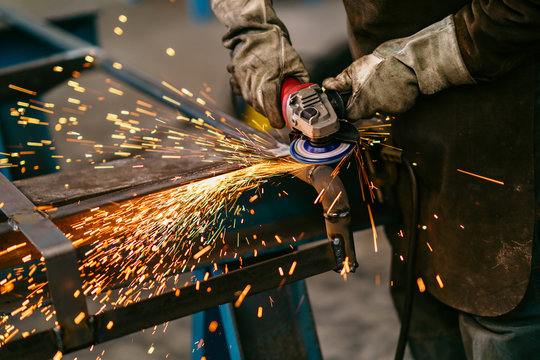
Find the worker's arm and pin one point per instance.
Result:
(495, 36)
(483, 40)
(262, 55)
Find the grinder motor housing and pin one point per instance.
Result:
(308, 110)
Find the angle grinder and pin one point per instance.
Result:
(319, 135)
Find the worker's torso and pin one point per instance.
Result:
(475, 241)
(372, 22)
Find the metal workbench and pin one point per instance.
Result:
(324, 240)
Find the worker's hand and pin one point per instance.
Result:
(389, 80)
(262, 54)
(258, 67)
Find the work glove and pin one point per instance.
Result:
(389, 80)
(262, 54)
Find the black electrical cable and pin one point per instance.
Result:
(409, 283)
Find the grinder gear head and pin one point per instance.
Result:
(318, 136)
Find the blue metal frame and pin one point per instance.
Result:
(225, 343)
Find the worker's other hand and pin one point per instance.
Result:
(389, 80)
(262, 54)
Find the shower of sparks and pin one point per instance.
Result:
(142, 130)
(145, 242)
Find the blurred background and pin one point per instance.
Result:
(179, 41)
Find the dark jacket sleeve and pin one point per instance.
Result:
(495, 36)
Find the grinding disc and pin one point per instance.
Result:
(308, 153)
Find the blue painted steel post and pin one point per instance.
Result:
(223, 343)
(284, 330)
(304, 317)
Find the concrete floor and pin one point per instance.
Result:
(355, 318)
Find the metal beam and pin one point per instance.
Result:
(116, 323)
(65, 285)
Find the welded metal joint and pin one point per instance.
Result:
(336, 215)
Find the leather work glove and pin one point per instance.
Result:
(389, 80)
(262, 54)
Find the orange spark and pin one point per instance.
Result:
(167, 85)
(293, 266)
(481, 177)
(41, 109)
(116, 91)
(202, 252)
(373, 229)
(213, 326)
(242, 296)
(334, 202)
(319, 197)
(421, 285)
(18, 88)
(439, 280)
(165, 97)
(79, 318)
